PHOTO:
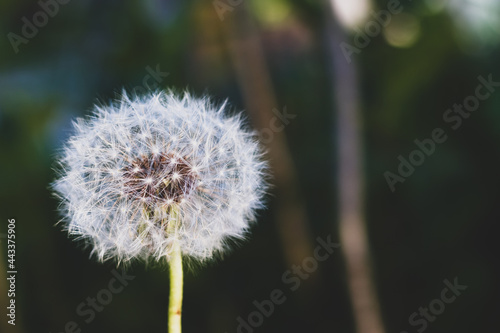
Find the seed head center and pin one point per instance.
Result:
(159, 178)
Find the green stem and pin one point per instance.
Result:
(176, 278)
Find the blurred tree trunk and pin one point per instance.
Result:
(255, 83)
(352, 224)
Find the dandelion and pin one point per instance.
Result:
(160, 177)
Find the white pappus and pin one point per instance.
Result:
(130, 164)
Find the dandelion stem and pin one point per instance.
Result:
(176, 278)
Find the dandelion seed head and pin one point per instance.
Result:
(131, 164)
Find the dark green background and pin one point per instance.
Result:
(439, 224)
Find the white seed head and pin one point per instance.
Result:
(132, 164)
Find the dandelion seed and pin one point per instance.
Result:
(140, 166)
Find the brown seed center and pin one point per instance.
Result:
(161, 178)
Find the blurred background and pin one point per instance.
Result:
(337, 90)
